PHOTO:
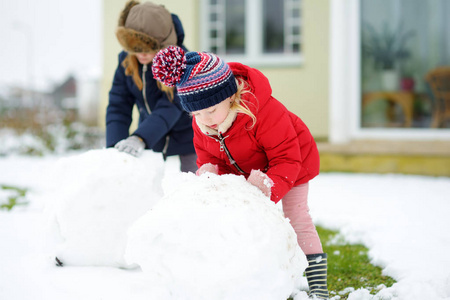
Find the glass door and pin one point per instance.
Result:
(405, 64)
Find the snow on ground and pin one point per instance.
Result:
(403, 220)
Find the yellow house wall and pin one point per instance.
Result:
(303, 89)
(111, 49)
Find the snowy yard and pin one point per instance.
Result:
(403, 220)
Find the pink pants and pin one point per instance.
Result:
(295, 207)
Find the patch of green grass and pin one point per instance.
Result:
(16, 197)
(349, 265)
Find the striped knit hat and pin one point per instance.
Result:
(202, 79)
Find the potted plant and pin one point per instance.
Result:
(387, 48)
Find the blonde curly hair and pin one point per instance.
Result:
(239, 104)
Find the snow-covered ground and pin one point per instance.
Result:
(403, 220)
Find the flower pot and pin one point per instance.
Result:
(407, 84)
(389, 80)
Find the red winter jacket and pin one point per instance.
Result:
(279, 144)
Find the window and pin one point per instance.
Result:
(261, 32)
(401, 43)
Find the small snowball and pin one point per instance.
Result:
(97, 196)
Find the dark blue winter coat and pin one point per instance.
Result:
(166, 122)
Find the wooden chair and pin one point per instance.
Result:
(438, 80)
(404, 99)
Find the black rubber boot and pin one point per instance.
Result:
(316, 274)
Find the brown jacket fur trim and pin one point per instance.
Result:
(135, 42)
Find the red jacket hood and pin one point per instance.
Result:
(258, 81)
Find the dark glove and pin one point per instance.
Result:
(133, 145)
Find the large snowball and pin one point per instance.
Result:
(216, 237)
(97, 196)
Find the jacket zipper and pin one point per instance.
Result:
(144, 95)
(223, 147)
(144, 89)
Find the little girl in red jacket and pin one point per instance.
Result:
(239, 128)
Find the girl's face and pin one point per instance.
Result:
(214, 116)
(145, 58)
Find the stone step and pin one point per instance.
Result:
(431, 158)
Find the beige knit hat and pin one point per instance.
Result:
(145, 27)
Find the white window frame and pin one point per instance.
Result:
(253, 55)
(345, 83)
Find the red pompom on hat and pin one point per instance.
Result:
(169, 65)
(202, 79)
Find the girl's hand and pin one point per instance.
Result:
(261, 181)
(209, 167)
